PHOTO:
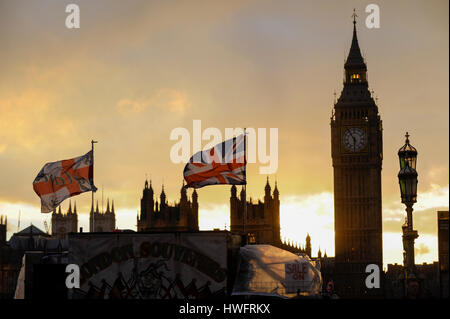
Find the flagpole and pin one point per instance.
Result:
(92, 191)
(245, 188)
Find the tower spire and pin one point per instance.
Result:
(276, 193)
(267, 187)
(162, 196)
(354, 58)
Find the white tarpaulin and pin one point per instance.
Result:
(150, 266)
(268, 270)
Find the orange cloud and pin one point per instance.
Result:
(22, 116)
(170, 99)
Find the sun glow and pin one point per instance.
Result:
(313, 214)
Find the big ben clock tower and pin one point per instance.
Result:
(357, 153)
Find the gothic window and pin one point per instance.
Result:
(354, 78)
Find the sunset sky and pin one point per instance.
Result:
(136, 70)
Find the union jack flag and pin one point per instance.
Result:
(225, 163)
(59, 180)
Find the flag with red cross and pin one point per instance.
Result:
(63, 179)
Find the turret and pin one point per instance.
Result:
(194, 197)
(267, 189)
(194, 210)
(162, 197)
(233, 191)
(276, 193)
(308, 245)
(147, 202)
(148, 188)
(276, 213)
(234, 211)
(242, 195)
(183, 194)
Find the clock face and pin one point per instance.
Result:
(354, 139)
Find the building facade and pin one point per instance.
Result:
(102, 221)
(357, 154)
(62, 224)
(155, 217)
(263, 220)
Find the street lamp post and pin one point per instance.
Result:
(407, 178)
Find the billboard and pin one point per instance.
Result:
(150, 266)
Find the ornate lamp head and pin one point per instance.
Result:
(407, 176)
(407, 154)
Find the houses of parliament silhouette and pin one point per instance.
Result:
(99, 221)
(155, 217)
(262, 225)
